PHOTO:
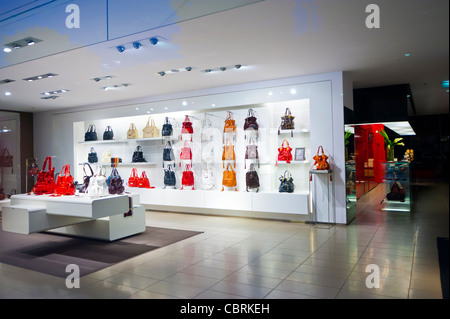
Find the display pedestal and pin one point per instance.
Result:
(106, 218)
(320, 191)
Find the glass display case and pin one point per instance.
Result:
(397, 186)
(350, 190)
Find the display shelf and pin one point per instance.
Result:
(294, 131)
(122, 164)
(293, 162)
(103, 142)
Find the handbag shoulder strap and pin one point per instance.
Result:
(49, 160)
(134, 172)
(320, 148)
(84, 166)
(288, 111)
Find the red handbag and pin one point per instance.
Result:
(284, 152)
(188, 177)
(65, 184)
(45, 182)
(143, 181)
(187, 127)
(186, 153)
(133, 179)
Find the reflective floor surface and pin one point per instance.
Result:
(260, 259)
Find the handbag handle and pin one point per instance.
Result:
(167, 120)
(92, 172)
(132, 126)
(288, 111)
(134, 173)
(187, 167)
(318, 150)
(92, 128)
(168, 145)
(252, 168)
(109, 129)
(229, 116)
(138, 149)
(152, 121)
(49, 160)
(250, 113)
(282, 144)
(230, 166)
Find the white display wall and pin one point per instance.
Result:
(316, 101)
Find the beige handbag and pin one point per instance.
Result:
(132, 132)
(106, 156)
(150, 130)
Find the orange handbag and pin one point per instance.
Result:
(230, 124)
(320, 160)
(229, 177)
(228, 152)
(284, 152)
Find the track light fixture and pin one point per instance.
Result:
(162, 73)
(120, 48)
(154, 40)
(224, 68)
(238, 66)
(136, 45)
(189, 68)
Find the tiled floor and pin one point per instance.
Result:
(246, 258)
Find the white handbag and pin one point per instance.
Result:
(208, 153)
(106, 156)
(97, 184)
(207, 179)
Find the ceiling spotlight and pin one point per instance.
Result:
(223, 69)
(189, 68)
(120, 48)
(7, 50)
(97, 79)
(238, 66)
(153, 41)
(30, 42)
(208, 70)
(162, 73)
(136, 45)
(7, 93)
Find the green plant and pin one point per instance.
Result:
(390, 144)
(347, 136)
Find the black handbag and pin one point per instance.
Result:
(108, 134)
(287, 183)
(92, 156)
(168, 155)
(169, 176)
(138, 155)
(252, 179)
(287, 122)
(167, 128)
(251, 121)
(91, 134)
(86, 178)
(397, 193)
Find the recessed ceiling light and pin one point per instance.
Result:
(293, 91)
(7, 50)
(40, 77)
(184, 103)
(7, 93)
(21, 43)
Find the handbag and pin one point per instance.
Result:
(320, 160)
(106, 156)
(92, 156)
(132, 132)
(229, 177)
(138, 155)
(187, 178)
(33, 168)
(168, 155)
(230, 124)
(207, 179)
(207, 129)
(228, 152)
(98, 184)
(167, 128)
(252, 179)
(6, 159)
(186, 153)
(133, 179)
(287, 122)
(251, 152)
(65, 183)
(108, 134)
(169, 176)
(150, 130)
(397, 193)
(284, 152)
(45, 182)
(208, 153)
(91, 134)
(286, 183)
(143, 181)
(187, 127)
(86, 178)
(115, 183)
(250, 123)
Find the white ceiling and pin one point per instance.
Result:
(268, 37)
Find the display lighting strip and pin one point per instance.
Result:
(5, 81)
(40, 77)
(224, 68)
(116, 86)
(22, 43)
(138, 44)
(102, 78)
(188, 69)
(55, 92)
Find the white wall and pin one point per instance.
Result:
(54, 131)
